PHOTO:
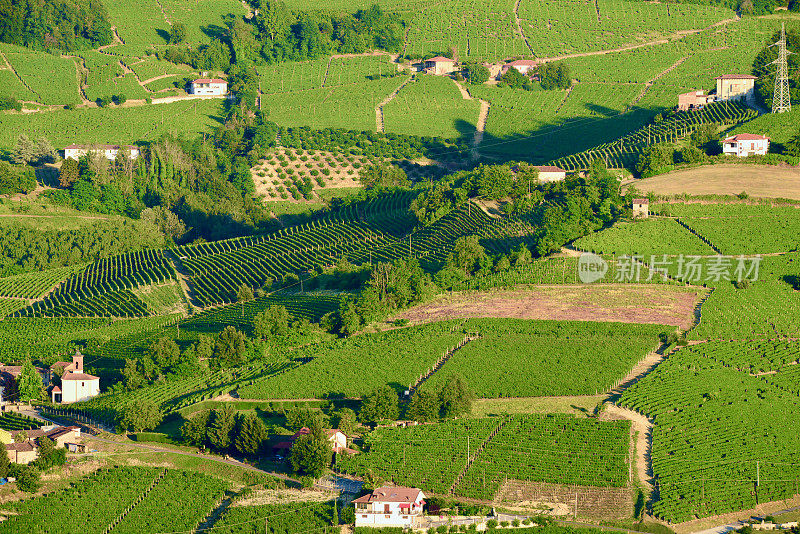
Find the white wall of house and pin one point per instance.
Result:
(743, 149)
(110, 153)
(79, 390)
(213, 88)
(391, 514)
(548, 176)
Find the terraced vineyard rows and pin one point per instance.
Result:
(625, 151)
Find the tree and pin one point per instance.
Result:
(245, 294)
(29, 382)
(195, 430)
(69, 173)
(424, 406)
(653, 160)
(139, 415)
(381, 404)
(555, 75)
(164, 352)
(177, 34)
(44, 152)
(132, 376)
(204, 347)
(345, 420)
(28, 477)
(5, 462)
(514, 78)
(230, 347)
(793, 146)
(274, 321)
(24, 150)
(476, 73)
(456, 397)
(251, 435)
(220, 428)
(311, 453)
(49, 454)
(466, 255)
(165, 220)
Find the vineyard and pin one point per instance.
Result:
(625, 151)
(474, 457)
(13, 421)
(288, 518)
(520, 358)
(121, 499)
(301, 76)
(645, 238)
(715, 427)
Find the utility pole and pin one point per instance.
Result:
(780, 98)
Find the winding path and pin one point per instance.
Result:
(379, 123)
(480, 125)
(519, 26)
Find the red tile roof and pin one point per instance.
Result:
(735, 77)
(398, 494)
(745, 137)
(440, 59)
(79, 376)
(107, 147)
(56, 389)
(23, 446)
(523, 63)
(209, 80)
(640, 201)
(548, 168)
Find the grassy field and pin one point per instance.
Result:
(760, 181)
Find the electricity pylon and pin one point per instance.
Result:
(780, 98)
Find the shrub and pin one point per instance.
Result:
(492, 523)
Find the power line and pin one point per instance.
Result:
(781, 101)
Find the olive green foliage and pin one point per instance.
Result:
(380, 175)
(139, 415)
(311, 453)
(55, 24)
(29, 382)
(555, 75)
(476, 73)
(380, 405)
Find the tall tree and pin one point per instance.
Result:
(139, 415)
(381, 404)
(24, 150)
(230, 347)
(456, 397)
(244, 294)
(251, 435)
(311, 453)
(29, 382)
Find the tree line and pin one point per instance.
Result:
(66, 25)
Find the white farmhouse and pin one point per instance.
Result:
(76, 385)
(550, 173)
(743, 145)
(390, 507)
(523, 66)
(208, 86)
(441, 66)
(109, 151)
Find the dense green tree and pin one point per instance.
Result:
(274, 321)
(514, 78)
(49, 454)
(380, 404)
(381, 175)
(424, 406)
(792, 146)
(466, 255)
(24, 151)
(221, 428)
(5, 462)
(29, 382)
(164, 352)
(555, 75)
(311, 453)
(195, 429)
(139, 415)
(69, 173)
(55, 24)
(29, 479)
(251, 435)
(345, 420)
(654, 159)
(476, 73)
(132, 377)
(177, 33)
(244, 295)
(456, 397)
(230, 347)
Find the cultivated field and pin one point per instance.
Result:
(647, 304)
(763, 181)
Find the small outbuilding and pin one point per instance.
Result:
(208, 86)
(693, 100)
(641, 208)
(440, 66)
(390, 507)
(744, 145)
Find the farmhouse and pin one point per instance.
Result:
(390, 507)
(27, 450)
(523, 66)
(109, 151)
(75, 384)
(735, 87)
(743, 145)
(336, 438)
(440, 66)
(693, 100)
(549, 173)
(641, 208)
(208, 86)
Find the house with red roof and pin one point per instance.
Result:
(336, 438)
(550, 173)
(208, 86)
(22, 446)
(693, 100)
(390, 507)
(735, 87)
(743, 145)
(523, 66)
(641, 208)
(440, 66)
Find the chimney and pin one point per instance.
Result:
(78, 361)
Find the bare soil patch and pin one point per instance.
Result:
(626, 303)
(268, 496)
(764, 181)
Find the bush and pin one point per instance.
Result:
(10, 103)
(492, 523)
(504, 524)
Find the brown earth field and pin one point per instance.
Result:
(626, 303)
(763, 181)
